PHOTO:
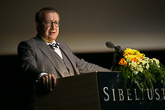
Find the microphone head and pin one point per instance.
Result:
(109, 44)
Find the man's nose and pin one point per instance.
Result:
(53, 26)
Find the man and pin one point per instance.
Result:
(43, 59)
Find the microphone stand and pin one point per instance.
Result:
(117, 51)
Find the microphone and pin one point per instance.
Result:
(118, 51)
(109, 44)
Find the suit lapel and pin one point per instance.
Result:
(66, 54)
(50, 54)
(70, 57)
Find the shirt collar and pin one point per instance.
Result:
(47, 42)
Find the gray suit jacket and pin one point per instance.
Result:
(37, 57)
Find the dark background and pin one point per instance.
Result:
(86, 25)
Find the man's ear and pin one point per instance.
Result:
(37, 26)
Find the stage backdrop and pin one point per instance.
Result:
(87, 24)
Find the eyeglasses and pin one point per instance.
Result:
(50, 23)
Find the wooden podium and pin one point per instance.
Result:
(93, 91)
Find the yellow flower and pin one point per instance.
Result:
(140, 68)
(141, 56)
(156, 61)
(129, 51)
(133, 64)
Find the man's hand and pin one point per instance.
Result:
(48, 82)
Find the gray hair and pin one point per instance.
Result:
(39, 14)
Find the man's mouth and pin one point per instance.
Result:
(52, 32)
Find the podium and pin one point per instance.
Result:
(96, 91)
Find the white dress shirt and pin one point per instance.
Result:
(57, 50)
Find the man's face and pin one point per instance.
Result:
(49, 27)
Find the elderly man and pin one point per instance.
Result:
(43, 60)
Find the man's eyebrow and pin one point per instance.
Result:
(52, 20)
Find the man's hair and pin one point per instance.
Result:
(39, 14)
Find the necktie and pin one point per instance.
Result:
(55, 45)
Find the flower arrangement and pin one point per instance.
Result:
(141, 70)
